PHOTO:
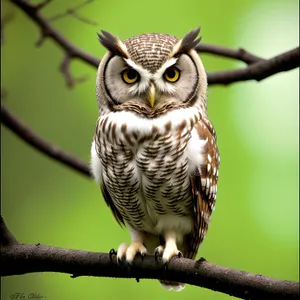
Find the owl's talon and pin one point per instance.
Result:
(119, 261)
(121, 253)
(179, 254)
(112, 252)
(158, 252)
(143, 255)
(135, 248)
(128, 254)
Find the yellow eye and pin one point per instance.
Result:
(172, 74)
(130, 76)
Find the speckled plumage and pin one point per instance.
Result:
(157, 165)
(156, 46)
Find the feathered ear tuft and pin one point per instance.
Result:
(187, 43)
(112, 44)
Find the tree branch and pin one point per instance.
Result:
(33, 139)
(6, 237)
(48, 31)
(17, 259)
(239, 54)
(258, 68)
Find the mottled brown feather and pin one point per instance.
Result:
(201, 182)
(110, 204)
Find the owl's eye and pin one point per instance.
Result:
(130, 76)
(172, 74)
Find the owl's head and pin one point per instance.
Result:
(151, 74)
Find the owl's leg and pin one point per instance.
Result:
(170, 249)
(133, 249)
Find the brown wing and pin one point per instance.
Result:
(110, 204)
(204, 187)
(105, 193)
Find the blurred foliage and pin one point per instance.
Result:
(255, 225)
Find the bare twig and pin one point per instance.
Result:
(239, 54)
(65, 69)
(73, 12)
(47, 31)
(42, 4)
(223, 77)
(22, 259)
(31, 138)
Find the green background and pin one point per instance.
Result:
(255, 224)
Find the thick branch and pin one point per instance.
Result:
(22, 259)
(258, 68)
(33, 139)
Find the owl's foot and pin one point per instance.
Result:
(129, 253)
(170, 249)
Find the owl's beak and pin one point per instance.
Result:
(151, 95)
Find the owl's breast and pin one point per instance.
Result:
(147, 173)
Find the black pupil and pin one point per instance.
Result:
(171, 73)
(131, 74)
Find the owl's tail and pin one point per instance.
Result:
(172, 285)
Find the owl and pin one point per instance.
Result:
(154, 152)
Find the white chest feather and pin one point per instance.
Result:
(146, 165)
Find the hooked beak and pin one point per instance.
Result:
(151, 95)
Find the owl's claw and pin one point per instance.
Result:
(129, 253)
(158, 252)
(179, 254)
(112, 252)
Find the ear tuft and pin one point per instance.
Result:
(187, 43)
(112, 43)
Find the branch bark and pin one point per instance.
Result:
(42, 145)
(257, 69)
(17, 259)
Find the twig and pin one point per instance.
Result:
(65, 69)
(47, 31)
(239, 54)
(23, 259)
(42, 4)
(222, 77)
(73, 12)
(33, 139)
